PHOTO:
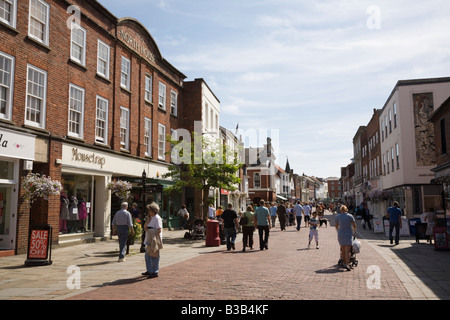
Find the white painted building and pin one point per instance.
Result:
(407, 143)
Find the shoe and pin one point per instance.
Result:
(243, 249)
(309, 245)
(317, 247)
(146, 273)
(392, 241)
(347, 267)
(152, 275)
(266, 247)
(122, 259)
(233, 247)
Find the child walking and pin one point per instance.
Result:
(313, 230)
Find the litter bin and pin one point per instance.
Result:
(212, 233)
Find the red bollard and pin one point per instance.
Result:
(212, 233)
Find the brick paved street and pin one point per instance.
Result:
(287, 271)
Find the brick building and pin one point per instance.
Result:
(90, 98)
(334, 188)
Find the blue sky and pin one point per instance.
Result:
(309, 71)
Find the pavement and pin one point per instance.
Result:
(189, 270)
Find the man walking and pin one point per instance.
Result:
(262, 223)
(298, 210)
(394, 214)
(230, 223)
(306, 212)
(121, 223)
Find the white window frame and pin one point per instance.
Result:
(161, 141)
(79, 134)
(98, 138)
(45, 23)
(100, 59)
(13, 14)
(9, 86)
(43, 98)
(125, 75)
(148, 136)
(73, 43)
(256, 174)
(173, 103)
(148, 87)
(124, 126)
(395, 115)
(392, 159)
(162, 96)
(397, 156)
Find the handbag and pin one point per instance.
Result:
(243, 221)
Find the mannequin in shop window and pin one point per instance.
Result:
(64, 215)
(82, 215)
(73, 214)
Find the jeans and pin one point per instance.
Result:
(230, 235)
(263, 232)
(273, 218)
(152, 264)
(395, 225)
(122, 233)
(299, 221)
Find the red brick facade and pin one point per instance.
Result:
(125, 37)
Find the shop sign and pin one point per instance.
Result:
(17, 145)
(88, 158)
(39, 246)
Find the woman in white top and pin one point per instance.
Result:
(154, 224)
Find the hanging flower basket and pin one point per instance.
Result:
(381, 195)
(137, 232)
(120, 188)
(40, 186)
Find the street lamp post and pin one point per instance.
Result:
(144, 195)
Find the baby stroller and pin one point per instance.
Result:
(197, 229)
(354, 249)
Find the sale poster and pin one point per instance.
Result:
(38, 244)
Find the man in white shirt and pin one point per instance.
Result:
(211, 212)
(121, 223)
(306, 212)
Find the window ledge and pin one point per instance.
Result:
(39, 43)
(77, 64)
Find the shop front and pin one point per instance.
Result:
(87, 206)
(16, 149)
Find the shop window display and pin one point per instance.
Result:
(76, 204)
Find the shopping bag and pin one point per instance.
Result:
(356, 245)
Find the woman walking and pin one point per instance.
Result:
(345, 225)
(248, 228)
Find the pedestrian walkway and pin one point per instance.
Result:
(190, 270)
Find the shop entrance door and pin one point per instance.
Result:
(7, 217)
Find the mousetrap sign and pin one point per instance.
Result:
(39, 246)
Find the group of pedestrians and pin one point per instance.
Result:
(258, 218)
(262, 218)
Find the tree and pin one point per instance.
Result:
(202, 163)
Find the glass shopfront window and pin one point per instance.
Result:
(76, 204)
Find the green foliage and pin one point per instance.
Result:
(202, 163)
